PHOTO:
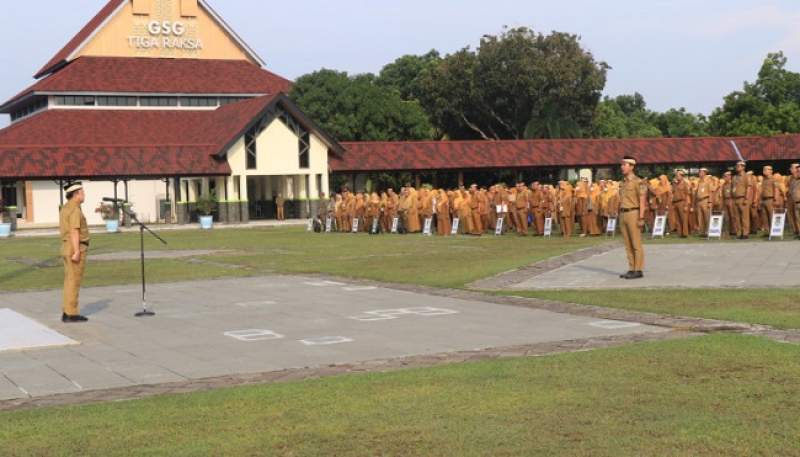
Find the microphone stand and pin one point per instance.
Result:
(144, 312)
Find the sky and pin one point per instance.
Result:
(677, 53)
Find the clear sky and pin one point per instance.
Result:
(675, 52)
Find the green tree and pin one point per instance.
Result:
(769, 106)
(404, 74)
(678, 123)
(520, 84)
(356, 108)
(625, 116)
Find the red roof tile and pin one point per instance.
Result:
(93, 142)
(150, 75)
(452, 155)
(73, 44)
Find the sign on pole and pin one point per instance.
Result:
(778, 224)
(328, 224)
(499, 228)
(395, 224)
(355, 225)
(659, 226)
(375, 226)
(611, 227)
(715, 226)
(548, 227)
(426, 230)
(454, 230)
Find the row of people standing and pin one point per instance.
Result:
(747, 201)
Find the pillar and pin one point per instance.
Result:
(244, 208)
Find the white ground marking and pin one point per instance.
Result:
(252, 335)
(359, 289)
(326, 340)
(388, 314)
(614, 325)
(253, 304)
(324, 283)
(20, 332)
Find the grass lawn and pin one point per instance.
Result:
(779, 308)
(32, 263)
(710, 395)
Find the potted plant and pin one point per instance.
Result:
(109, 214)
(205, 206)
(5, 226)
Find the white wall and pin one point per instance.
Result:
(143, 194)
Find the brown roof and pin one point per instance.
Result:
(155, 75)
(454, 155)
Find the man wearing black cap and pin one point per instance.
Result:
(632, 204)
(74, 244)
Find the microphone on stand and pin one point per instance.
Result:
(114, 200)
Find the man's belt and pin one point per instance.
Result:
(628, 210)
(702, 199)
(739, 198)
(767, 198)
(85, 243)
(677, 201)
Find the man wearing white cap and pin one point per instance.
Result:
(633, 198)
(74, 244)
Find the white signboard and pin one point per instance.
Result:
(355, 225)
(611, 227)
(310, 226)
(548, 226)
(328, 224)
(715, 226)
(454, 230)
(375, 226)
(395, 224)
(499, 228)
(659, 226)
(427, 228)
(778, 225)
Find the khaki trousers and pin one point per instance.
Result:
(632, 236)
(767, 210)
(682, 218)
(703, 213)
(796, 218)
(280, 213)
(742, 216)
(73, 275)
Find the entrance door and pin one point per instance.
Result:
(9, 193)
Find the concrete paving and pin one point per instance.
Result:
(708, 265)
(253, 325)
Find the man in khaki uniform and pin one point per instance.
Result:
(74, 244)
(280, 205)
(702, 202)
(633, 198)
(793, 198)
(681, 201)
(729, 203)
(770, 194)
(522, 207)
(742, 189)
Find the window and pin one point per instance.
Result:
(141, 7)
(304, 145)
(226, 100)
(158, 101)
(116, 101)
(250, 146)
(75, 100)
(29, 109)
(199, 101)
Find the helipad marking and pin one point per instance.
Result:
(20, 332)
(326, 340)
(614, 325)
(251, 335)
(389, 314)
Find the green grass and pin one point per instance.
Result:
(779, 308)
(713, 395)
(433, 261)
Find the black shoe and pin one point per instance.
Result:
(637, 275)
(626, 275)
(73, 319)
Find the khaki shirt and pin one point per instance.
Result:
(631, 191)
(740, 185)
(768, 188)
(703, 191)
(794, 190)
(71, 218)
(680, 191)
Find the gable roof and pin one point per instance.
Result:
(465, 155)
(157, 75)
(85, 143)
(65, 55)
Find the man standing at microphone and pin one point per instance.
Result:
(74, 246)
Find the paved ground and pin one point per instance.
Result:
(708, 265)
(217, 328)
(38, 230)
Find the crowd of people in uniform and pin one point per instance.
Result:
(746, 200)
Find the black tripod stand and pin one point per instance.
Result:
(144, 312)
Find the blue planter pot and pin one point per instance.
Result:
(206, 222)
(5, 230)
(112, 226)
